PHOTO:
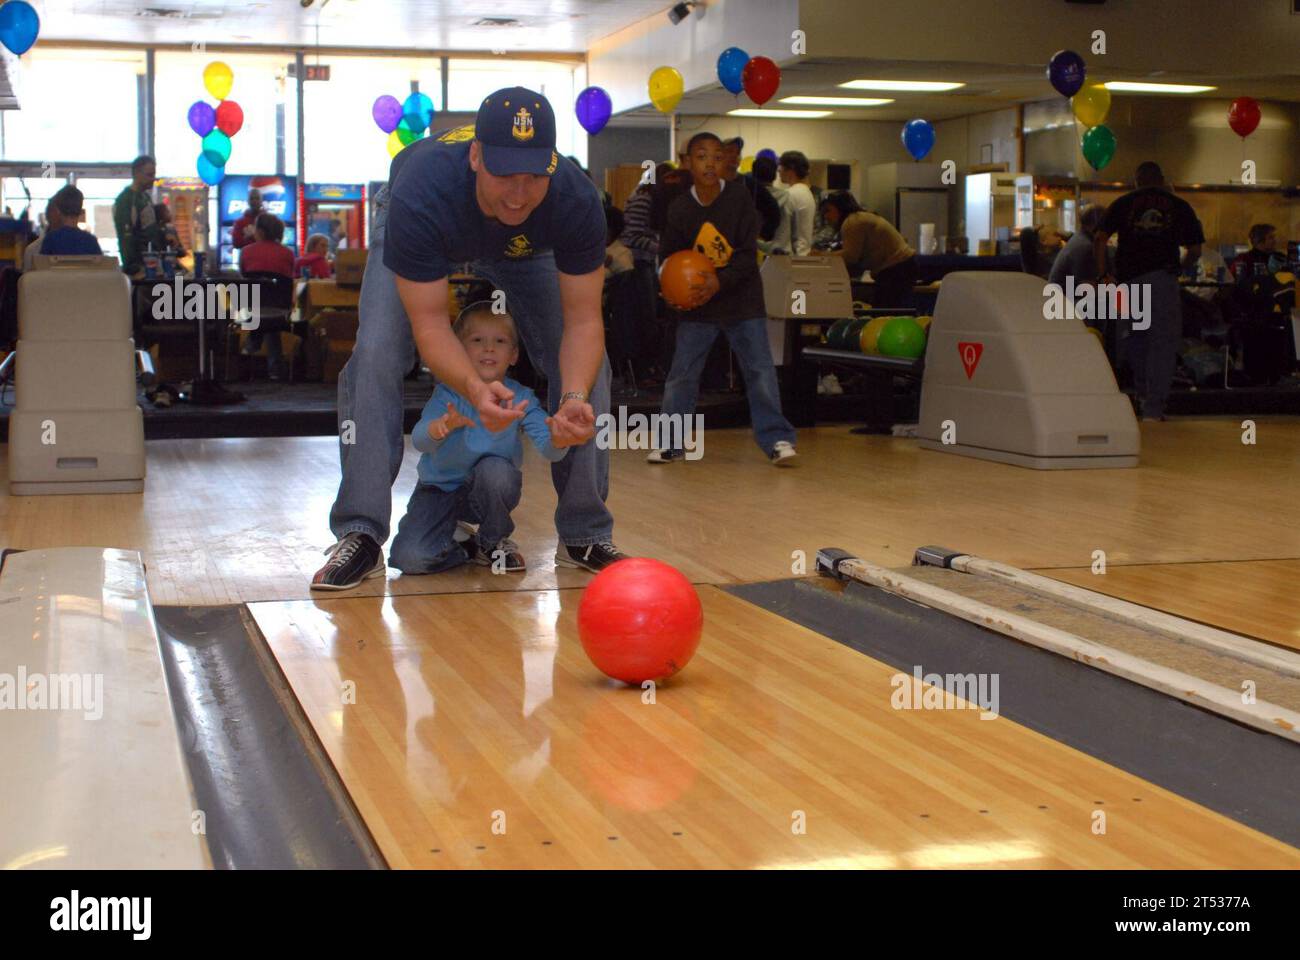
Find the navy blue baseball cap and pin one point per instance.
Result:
(515, 129)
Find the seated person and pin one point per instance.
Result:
(167, 224)
(1077, 258)
(1262, 259)
(467, 472)
(68, 239)
(316, 259)
(266, 254)
(1039, 247)
(869, 242)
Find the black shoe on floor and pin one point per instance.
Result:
(355, 558)
(505, 557)
(594, 556)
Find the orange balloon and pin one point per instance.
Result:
(680, 274)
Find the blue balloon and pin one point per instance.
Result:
(918, 138)
(417, 111)
(593, 109)
(19, 26)
(731, 64)
(202, 117)
(209, 172)
(1067, 72)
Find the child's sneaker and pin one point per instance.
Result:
(783, 453)
(594, 557)
(665, 456)
(465, 531)
(504, 557)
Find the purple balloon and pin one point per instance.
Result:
(1067, 72)
(593, 108)
(202, 118)
(387, 112)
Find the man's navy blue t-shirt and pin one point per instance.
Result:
(434, 221)
(69, 242)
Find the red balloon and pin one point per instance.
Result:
(230, 117)
(760, 79)
(640, 620)
(1243, 116)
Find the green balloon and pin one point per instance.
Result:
(216, 148)
(1098, 146)
(407, 135)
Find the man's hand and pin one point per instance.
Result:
(494, 406)
(573, 424)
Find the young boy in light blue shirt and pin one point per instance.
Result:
(467, 472)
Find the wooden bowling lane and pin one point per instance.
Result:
(480, 736)
(1255, 598)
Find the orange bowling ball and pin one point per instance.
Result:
(640, 620)
(680, 273)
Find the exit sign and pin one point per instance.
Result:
(317, 71)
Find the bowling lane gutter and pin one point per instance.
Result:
(1232, 769)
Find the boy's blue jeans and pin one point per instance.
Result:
(425, 542)
(370, 395)
(748, 339)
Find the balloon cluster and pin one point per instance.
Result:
(1067, 73)
(19, 26)
(215, 126)
(404, 121)
(759, 77)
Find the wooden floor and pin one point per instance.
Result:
(475, 708)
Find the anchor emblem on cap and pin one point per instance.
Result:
(522, 128)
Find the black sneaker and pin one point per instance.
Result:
(355, 558)
(665, 456)
(504, 557)
(593, 556)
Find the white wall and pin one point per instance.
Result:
(622, 63)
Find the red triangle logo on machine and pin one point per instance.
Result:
(970, 356)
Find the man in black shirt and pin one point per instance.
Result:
(1152, 224)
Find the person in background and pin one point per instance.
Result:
(133, 217)
(1151, 224)
(869, 242)
(244, 232)
(640, 237)
(1263, 303)
(605, 199)
(266, 254)
(719, 220)
(52, 222)
(316, 259)
(1076, 258)
(731, 152)
(773, 216)
(793, 168)
(618, 256)
(167, 225)
(1262, 259)
(68, 239)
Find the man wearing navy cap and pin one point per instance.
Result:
(496, 196)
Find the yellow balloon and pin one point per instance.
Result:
(395, 144)
(218, 78)
(1091, 104)
(666, 89)
(746, 164)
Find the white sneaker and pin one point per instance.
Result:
(783, 453)
(464, 531)
(830, 385)
(664, 456)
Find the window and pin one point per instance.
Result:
(262, 88)
(343, 142)
(469, 81)
(75, 105)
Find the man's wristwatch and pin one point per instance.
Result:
(573, 395)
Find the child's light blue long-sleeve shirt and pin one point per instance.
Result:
(447, 463)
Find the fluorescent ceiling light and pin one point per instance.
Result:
(931, 85)
(1125, 85)
(780, 114)
(839, 101)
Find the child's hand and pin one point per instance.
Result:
(455, 419)
(702, 293)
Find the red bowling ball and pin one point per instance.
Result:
(640, 620)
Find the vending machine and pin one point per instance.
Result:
(187, 199)
(336, 211)
(279, 197)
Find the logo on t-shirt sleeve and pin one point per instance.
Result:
(710, 242)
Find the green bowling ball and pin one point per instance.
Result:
(901, 337)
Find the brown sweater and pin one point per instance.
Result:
(871, 243)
